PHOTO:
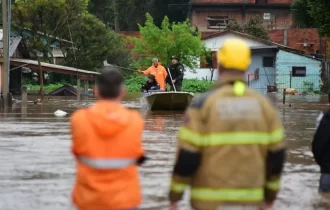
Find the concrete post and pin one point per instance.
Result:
(5, 23)
(24, 95)
(86, 87)
(78, 89)
(24, 102)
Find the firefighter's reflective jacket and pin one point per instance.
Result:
(230, 149)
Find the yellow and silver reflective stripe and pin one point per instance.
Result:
(192, 137)
(249, 194)
(178, 187)
(273, 185)
(276, 136)
(215, 139)
(107, 163)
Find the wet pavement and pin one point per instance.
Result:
(37, 169)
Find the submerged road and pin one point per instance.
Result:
(37, 169)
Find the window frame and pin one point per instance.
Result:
(267, 57)
(294, 71)
(218, 19)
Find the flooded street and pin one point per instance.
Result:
(37, 169)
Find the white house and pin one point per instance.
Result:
(273, 65)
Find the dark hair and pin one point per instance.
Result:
(109, 83)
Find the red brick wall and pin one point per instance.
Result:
(295, 39)
(283, 18)
(199, 17)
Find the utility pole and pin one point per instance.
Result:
(5, 41)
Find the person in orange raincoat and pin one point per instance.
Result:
(158, 71)
(106, 142)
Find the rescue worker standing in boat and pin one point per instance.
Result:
(230, 147)
(106, 142)
(177, 71)
(158, 71)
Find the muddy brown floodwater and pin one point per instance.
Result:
(37, 169)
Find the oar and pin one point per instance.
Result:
(169, 72)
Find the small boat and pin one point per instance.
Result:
(162, 100)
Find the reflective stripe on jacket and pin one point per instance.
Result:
(106, 141)
(236, 133)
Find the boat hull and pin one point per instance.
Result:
(174, 101)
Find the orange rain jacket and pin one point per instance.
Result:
(107, 144)
(159, 72)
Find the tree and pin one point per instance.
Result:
(234, 26)
(120, 13)
(93, 44)
(254, 27)
(300, 12)
(313, 13)
(168, 40)
(45, 20)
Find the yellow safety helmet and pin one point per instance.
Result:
(234, 54)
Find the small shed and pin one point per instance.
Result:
(65, 90)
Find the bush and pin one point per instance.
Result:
(196, 86)
(134, 82)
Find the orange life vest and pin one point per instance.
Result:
(160, 74)
(106, 143)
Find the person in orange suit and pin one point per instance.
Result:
(106, 143)
(158, 71)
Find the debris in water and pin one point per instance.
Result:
(60, 113)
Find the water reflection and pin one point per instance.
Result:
(38, 170)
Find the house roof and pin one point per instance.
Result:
(247, 36)
(83, 74)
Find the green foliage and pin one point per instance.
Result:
(196, 86)
(93, 41)
(93, 44)
(313, 13)
(234, 26)
(320, 13)
(299, 10)
(128, 10)
(133, 83)
(254, 27)
(166, 41)
(45, 20)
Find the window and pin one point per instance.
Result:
(217, 22)
(210, 62)
(299, 71)
(261, 1)
(268, 62)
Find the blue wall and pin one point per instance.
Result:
(284, 63)
(266, 74)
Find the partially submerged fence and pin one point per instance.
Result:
(309, 83)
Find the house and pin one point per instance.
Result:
(273, 65)
(215, 15)
(20, 62)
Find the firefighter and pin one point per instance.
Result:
(106, 142)
(230, 146)
(176, 70)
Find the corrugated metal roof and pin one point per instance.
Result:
(13, 43)
(52, 66)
